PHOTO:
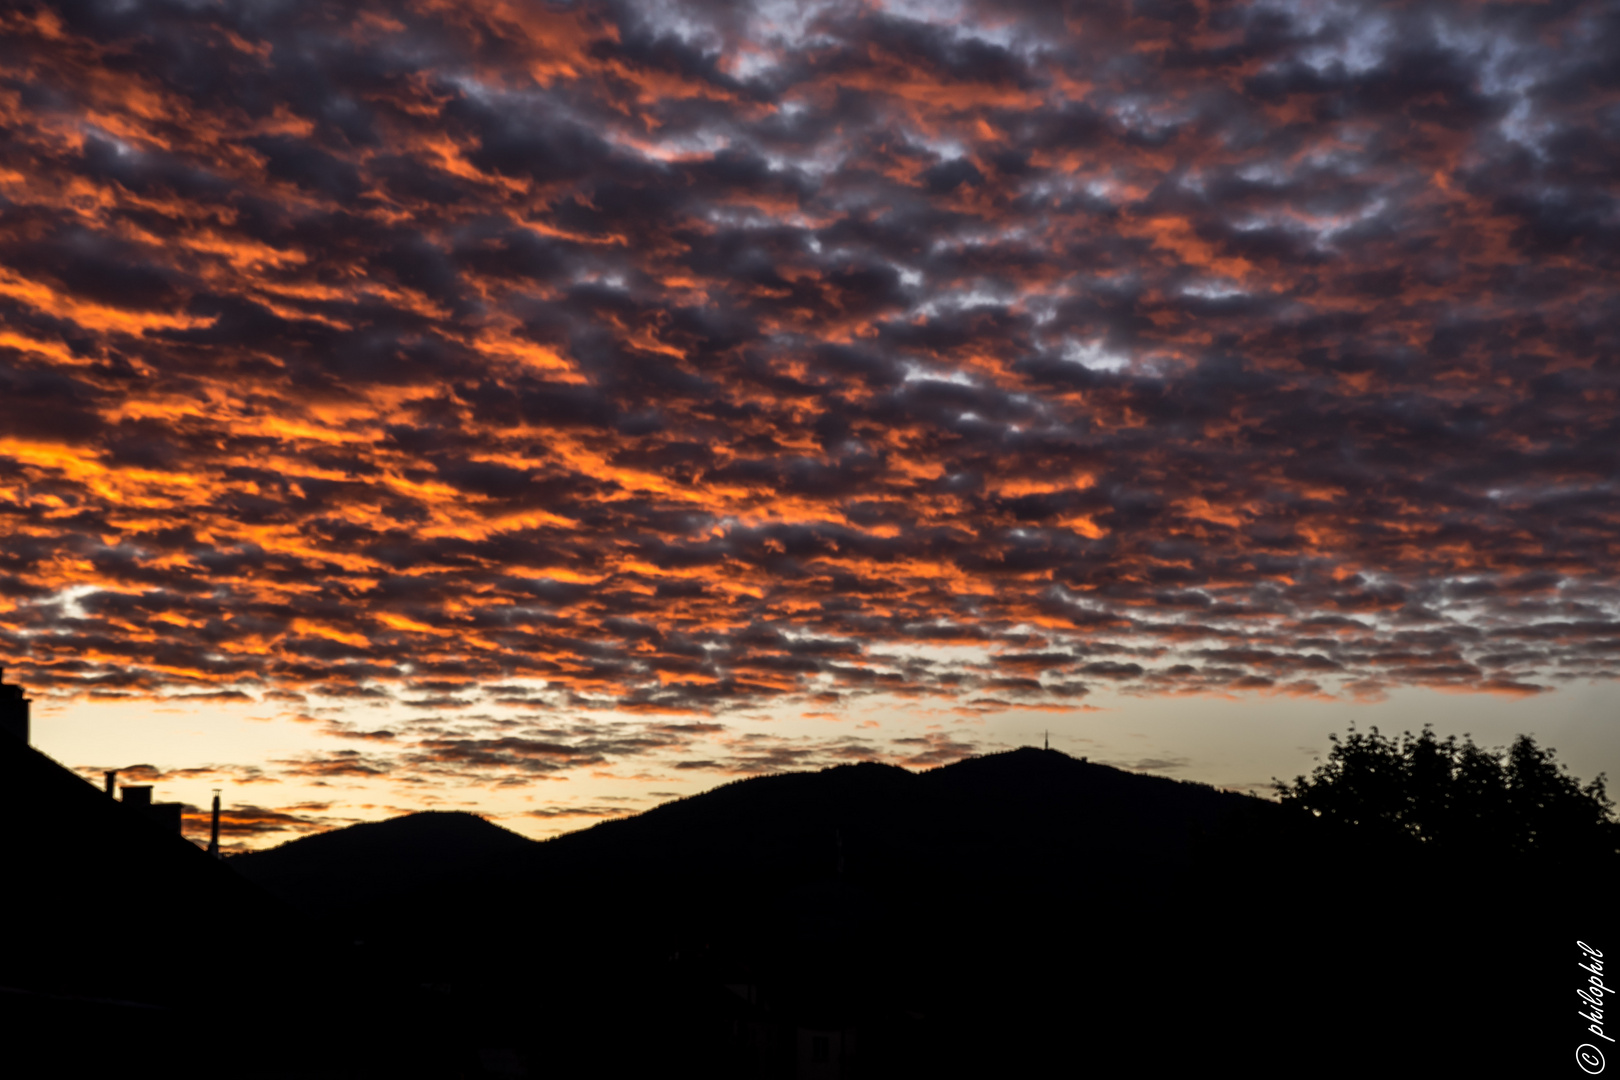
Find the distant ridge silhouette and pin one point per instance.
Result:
(1038, 815)
(351, 868)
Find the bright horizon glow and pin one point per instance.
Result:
(1238, 744)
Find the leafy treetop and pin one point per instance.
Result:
(1458, 796)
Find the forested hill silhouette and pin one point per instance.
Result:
(352, 869)
(1003, 824)
(930, 912)
(862, 852)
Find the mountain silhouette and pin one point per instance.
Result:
(861, 897)
(347, 870)
(965, 920)
(1006, 826)
(859, 842)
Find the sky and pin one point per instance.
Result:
(548, 410)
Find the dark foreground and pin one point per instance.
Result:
(1023, 914)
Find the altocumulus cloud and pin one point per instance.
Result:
(689, 358)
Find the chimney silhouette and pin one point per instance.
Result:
(111, 776)
(213, 835)
(13, 708)
(138, 797)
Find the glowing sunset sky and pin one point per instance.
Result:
(549, 409)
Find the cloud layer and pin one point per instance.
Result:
(675, 359)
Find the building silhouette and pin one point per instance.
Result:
(14, 719)
(138, 797)
(13, 709)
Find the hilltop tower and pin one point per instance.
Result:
(13, 709)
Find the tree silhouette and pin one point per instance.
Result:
(1459, 798)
